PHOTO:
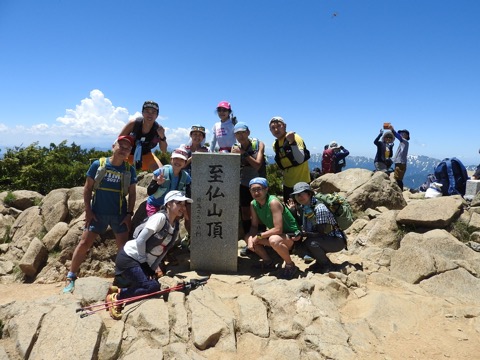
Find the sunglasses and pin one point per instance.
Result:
(222, 110)
(256, 189)
(197, 128)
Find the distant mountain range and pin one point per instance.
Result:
(418, 167)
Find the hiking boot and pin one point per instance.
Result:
(289, 272)
(115, 310)
(70, 285)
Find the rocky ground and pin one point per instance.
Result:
(448, 333)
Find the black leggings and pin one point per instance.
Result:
(321, 245)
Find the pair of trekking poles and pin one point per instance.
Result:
(184, 286)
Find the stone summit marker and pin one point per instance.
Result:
(215, 212)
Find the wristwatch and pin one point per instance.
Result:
(130, 213)
(163, 139)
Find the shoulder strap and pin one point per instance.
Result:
(100, 174)
(451, 178)
(126, 178)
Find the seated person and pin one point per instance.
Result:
(137, 262)
(320, 227)
(282, 230)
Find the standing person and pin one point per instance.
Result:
(328, 158)
(340, 154)
(282, 230)
(147, 134)
(291, 155)
(400, 158)
(222, 132)
(196, 144)
(252, 153)
(383, 157)
(108, 182)
(323, 235)
(167, 178)
(138, 260)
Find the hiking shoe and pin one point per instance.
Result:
(289, 272)
(245, 251)
(185, 242)
(70, 286)
(112, 289)
(115, 310)
(308, 259)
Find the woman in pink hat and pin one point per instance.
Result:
(222, 131)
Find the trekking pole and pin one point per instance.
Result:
(185, 286)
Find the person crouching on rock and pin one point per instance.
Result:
(321, 231)
(282, 230)
(137, 262)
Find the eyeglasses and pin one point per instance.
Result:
(222, 110)
(256, 189)
(197, 128)
(178, 202)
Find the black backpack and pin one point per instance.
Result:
(451, 173)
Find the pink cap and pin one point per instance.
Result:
(224, 104)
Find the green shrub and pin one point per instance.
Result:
(9, 199)
(6, 237)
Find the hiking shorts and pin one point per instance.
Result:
(149, 161)
(103, 221)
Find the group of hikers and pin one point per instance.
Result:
(267, 221)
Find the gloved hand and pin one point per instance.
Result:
(147, 270)
(381, 131)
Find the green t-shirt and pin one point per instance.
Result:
(264, 213)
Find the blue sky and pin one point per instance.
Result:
(334, 70)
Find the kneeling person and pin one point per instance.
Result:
(136, 263)
(320, 227)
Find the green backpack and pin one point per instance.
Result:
(339, 207)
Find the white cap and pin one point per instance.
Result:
(176, 195)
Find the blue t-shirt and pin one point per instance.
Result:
(106, 200)
(172, 183)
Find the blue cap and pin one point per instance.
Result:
(258, 180)
(240, 126)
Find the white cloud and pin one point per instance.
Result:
(94, 116)
(95, 120)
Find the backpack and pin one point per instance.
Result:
(159, 236)
(339, 207)
(125, 179)
(451, 173)
(287, 150)
(165, 187)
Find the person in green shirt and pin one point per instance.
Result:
(282, 229)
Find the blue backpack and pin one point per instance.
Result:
(451, 173)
